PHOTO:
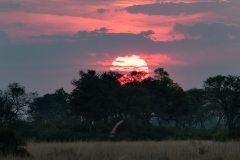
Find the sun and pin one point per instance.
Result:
(132, 67)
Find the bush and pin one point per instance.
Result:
(11, 144)
(220, 136)
(234, 133)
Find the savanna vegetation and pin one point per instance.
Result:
(100, 108)
(141, 150)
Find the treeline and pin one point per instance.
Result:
(154, 108)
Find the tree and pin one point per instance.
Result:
(173, 102)
(14, 102)
(200, 112)
(11, 144)
(50, 108)
(137, 103)
(95, 97)
(51, 118)
(161, 74)
(178, 106)
(133, 76)
(222, 94)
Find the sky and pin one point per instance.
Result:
(45, 43)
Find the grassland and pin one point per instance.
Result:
(165, 150)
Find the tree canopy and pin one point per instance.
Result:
(222, 94)
(14, 102)
(149, 108)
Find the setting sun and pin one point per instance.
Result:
(129, 64)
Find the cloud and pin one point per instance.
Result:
(93, 2)
(105, 42)
(59, 57)
(160, 59)
(9, 6)
(147, 34)
(107, 46)
(170, 8)
(209, 32)
(96, 31)
(101, 10)
(129, 63)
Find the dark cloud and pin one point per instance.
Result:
(176, 8)
(100, 41)
(209, 32)
(103, 29)
(52, 61)
(101, 10)
(96, 32)
(72, 38)
(114, 42)
(9, 6)
(146, 34)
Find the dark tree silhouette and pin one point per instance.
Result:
(51, 108)
(200, 113)
(173, 101)
(95, 97)
(11, 144)
(14, 102)
(222, 94)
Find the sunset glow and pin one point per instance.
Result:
(50, 41)
(129, 64)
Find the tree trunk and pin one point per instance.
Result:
(90, 126)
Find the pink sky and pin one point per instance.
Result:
(44, 44)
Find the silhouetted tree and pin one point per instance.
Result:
(133, 76)
(222, 94)
(200, 112)
(173, 101)
(94, 97)
(14, 102)
(11, 144)
(137, 103)
(50, 108)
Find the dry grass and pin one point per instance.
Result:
(165, 150)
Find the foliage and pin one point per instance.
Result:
(14, 102)
(134, 76)
(221, 136)
(154, 108)
(234, 133)
(199, 113)
(222, 95)
(95, 97)
(51, 108)
(11, 144)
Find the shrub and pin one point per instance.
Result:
(235, 133)
(220, 136)
(11, 144)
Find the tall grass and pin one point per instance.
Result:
(165, 150)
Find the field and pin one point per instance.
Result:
(165, 150)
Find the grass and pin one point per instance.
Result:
(165, 150)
